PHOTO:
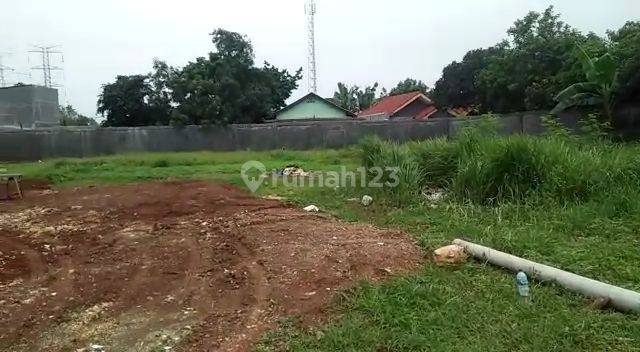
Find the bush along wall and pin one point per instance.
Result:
(482, 167)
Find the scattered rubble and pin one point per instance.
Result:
(366, 200)
(273, 197)
(97, 348)
(311, 208)
(292, 170)
(451, 254)
(433, 195)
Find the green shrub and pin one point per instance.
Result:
(554, 128)
(160, 163)
(512, 169)
(438, 160)
(395, 161)
(372, 151)
(481, 167)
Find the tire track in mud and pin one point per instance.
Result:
(37, 285)
(25, 258)
(251, 325)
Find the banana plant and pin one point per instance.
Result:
(345, 96)
(599, 88)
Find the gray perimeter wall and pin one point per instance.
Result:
(84, 142)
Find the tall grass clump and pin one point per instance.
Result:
(438, 160)
(389, 163)
(502, 169)
(482, 167)
(373, 149)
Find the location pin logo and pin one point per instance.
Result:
(253, 182)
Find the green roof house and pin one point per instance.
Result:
(312, 107)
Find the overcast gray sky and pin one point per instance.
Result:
(358, 41)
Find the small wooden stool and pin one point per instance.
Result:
(7, 179)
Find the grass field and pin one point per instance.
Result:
(570, 204)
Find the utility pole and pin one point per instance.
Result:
(45, 52)
(3, 68)
(310, 11)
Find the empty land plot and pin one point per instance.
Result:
(189, 265)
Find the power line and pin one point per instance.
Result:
(46, 52)
(310, 11)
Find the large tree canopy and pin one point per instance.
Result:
(131, 101)
(458, 85)
(539, 59)
(625, 47)
(224, 87)
(409, 85)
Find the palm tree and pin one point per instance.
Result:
(345, 97)
(599, 89)
(366, 97)
(354, 98)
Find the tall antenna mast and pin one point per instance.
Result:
(3, 68)
(45, 52)
(310, 11)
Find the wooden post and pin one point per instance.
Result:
(17, 180)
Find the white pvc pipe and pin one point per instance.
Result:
(619, 298)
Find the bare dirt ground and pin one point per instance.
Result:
(186, 266)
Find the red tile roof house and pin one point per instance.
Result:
(407, 106)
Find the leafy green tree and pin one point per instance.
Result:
(138, 100)
(367, 96)
(226, 87)
(409, 85)
(354, 98)
(129, 102)
(160, 94)
(625, 47)
(538, 60)
(599, 89)
(458, 86)
(70, 117)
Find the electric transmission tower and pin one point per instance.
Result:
(310, 11)
(3, 69)
(46, 52)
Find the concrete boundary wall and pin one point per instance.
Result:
(39, 144)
